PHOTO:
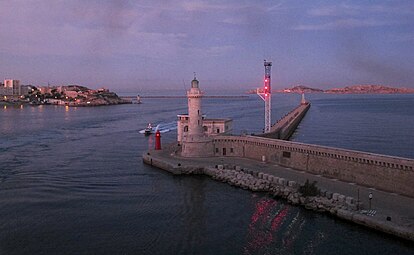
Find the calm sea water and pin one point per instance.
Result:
(72, 181)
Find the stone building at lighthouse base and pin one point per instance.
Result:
(196, 147)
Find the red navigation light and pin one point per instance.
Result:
(157, 140)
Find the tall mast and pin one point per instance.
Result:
(266, 95)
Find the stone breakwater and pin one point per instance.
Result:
(282, 188)
(335, 204)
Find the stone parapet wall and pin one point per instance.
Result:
(393, 174)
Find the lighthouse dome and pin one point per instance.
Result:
(194, 83)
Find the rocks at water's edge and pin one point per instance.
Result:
(280, 187)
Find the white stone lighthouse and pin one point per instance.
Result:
(196, 143)
(194, 95)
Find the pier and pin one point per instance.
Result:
(286, 126)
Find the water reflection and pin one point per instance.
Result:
(150, 142)
(67, 116)
(278, 228)
(260, 234)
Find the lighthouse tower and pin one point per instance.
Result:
(194, 95)
(196, 143)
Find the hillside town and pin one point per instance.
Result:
(12, 92)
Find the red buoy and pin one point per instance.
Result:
(157, 140)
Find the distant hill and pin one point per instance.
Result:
(369, 89)
(355, 89)
(302, 89)
(297, 89)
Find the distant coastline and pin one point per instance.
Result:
(355, 89)
(166, 97)
(70, 95)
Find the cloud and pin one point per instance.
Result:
(347, 16)
(89, 42)
(342, 10)
(213, 51)
(344, 24)
(107, 28)
(234, 21)
(124, 39)
(407, 37)
(332, 11)
(276, 7)
(380, 69)
(205, 6)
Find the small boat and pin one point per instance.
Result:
(163, 128)
(148, 129)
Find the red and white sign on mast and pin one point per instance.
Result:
(266, 95)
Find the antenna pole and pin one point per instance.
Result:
(266, 96)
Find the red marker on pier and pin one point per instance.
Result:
(157, 140)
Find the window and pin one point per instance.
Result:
(218, 130)
(231, 150)
(286, 154)
(205, 128)
(185, 128)
(217, 150)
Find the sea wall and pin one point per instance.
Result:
(392, 174)
(176, 169)
(286, 126)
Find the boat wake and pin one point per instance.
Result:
(162, 127)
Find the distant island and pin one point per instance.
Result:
(301, 89)
(68, 95)
(369, 89)
(355, 89)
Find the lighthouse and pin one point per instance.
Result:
(194, 95)
(196, 143)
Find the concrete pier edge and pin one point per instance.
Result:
(337, 210)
